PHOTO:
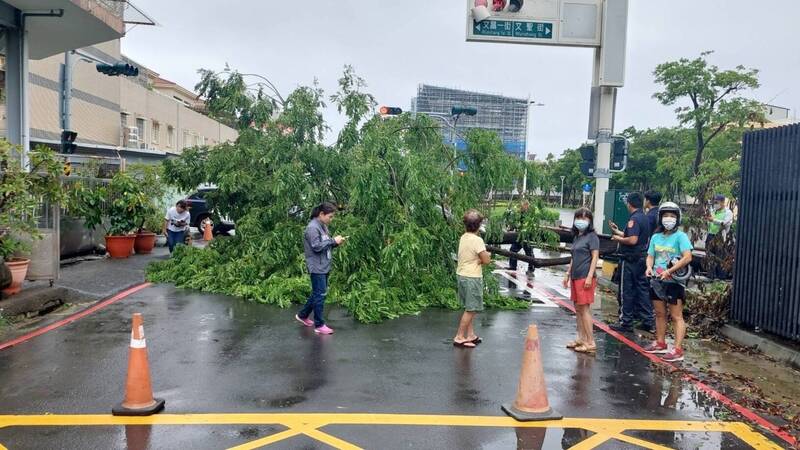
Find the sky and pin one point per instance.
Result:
(397, 45)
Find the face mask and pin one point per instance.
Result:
(669, 223)
(581, 224)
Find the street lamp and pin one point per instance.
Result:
(527, 122)
(562, 191)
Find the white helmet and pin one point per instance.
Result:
(669, 207)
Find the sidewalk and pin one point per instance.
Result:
(81, 284)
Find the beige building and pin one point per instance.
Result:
(138, 118)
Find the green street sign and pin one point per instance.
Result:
(513, 28)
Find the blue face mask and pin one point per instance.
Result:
(581, 224)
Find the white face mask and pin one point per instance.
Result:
(669, 223)
(581, 224)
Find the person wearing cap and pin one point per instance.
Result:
(634, 287)
(668, 259)
(719, 223)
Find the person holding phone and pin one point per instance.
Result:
(318, 249)
(634, 287)
(176, 224)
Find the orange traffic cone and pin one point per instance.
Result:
(531, 402)
(139, 399)
(208, 231)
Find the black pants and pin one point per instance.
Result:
(635, 293)
(516, 247)
(715, 250)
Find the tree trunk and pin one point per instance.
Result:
(698, 156)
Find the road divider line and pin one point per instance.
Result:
(546, 303)
(79, 315)
(708, 390)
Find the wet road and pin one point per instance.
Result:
(215, 354)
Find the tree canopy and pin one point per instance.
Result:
(401, 201)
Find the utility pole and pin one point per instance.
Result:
(607, 104)
(66, 90)
(562, 190)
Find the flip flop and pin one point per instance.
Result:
(465, 344)
(586, 349)
(574, 344)
(477, 340)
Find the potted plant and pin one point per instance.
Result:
(122, 202)
(146, 236)
(150, 180)
(22, 189)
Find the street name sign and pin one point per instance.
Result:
(573, 23)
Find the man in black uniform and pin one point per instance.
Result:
(634, 286)
(651, 201)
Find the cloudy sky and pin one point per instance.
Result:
(397, 45)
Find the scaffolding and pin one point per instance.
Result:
(506, 116)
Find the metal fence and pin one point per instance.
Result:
(767, 277)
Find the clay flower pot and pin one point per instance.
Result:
(18, 268)
(120, 247)
(144, 243)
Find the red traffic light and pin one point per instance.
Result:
(390, 111)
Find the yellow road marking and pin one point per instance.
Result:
(309, 423)
(592, 442)
(639, 442)
(331, 440)
(271, 439)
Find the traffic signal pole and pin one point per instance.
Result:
(603, 141)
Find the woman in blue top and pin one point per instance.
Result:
(669, 255)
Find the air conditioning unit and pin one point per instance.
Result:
(130, 137)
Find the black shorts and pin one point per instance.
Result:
(674, 292)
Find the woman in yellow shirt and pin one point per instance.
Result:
(472, 255)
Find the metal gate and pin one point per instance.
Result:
(766, 290)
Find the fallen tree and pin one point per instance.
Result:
(394, 180)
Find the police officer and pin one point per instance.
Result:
(651, 201)
(634, 286)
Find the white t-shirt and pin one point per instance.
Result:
(177, 221)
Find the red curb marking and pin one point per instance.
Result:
(711, 392)
(75, 316)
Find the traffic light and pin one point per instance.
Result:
(589, 156)
(460, 110)
(619, 154)
(68, 145)
(390, 111)
(114, 70)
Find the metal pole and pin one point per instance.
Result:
(455, 144)
(606, 123)
(562, 191)
(66, 90)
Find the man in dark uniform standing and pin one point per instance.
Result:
(634, 286)
(651, 201)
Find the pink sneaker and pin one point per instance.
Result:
(657, 347)
(674, 356)
(323, 330)
(307, 322)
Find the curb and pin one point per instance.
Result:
(74, 317)
(763, 344)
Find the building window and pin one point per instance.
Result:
(156, 132)
(140, 127)
(170, 136)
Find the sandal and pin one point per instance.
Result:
(464, 344)
(574, 344)
(583, 348)
(477, 340)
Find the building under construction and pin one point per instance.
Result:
(506, 116)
